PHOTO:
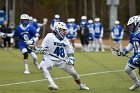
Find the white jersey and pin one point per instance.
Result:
(57, 49)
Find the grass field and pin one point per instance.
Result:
(101, 72)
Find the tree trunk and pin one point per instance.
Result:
(132, 8)
(93, 9)
(85, 7)
(66, 9)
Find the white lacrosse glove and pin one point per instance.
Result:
(70, 60)
(43, 50)
(29, 42)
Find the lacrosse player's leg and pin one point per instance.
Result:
(25, 54)
(130, 71)
(34, 56)
(101, 44)
(46, 67)
(96, 45)
(139, 72)
(70, 70)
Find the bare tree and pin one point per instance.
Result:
(66, 8)
(93, 8)
(85, 7)
(132, 7)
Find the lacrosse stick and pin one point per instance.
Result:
(40, 51)
(118, 52)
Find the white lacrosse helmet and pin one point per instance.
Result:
(90, 21)
(30, 18)
(133, 19)
(34, 20)
(97, 19)
(56, 16)
(117, 22)
(73, 19)
(24, 19)
(58, 26)
(84, 17)
(24, 16)
(69, 20)
(133, 23)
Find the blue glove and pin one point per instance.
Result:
(70, 60)
(136, 59)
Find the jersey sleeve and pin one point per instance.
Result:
(69, 48)
(33, 31)
(45, 42)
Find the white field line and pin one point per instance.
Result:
(18, 83)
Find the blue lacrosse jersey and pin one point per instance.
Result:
(91, 32)
(72, 31)
(35, 25)
(23, 34)
(98, 28)
(117, 32)
(134, 38)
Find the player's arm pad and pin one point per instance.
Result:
(129, 47)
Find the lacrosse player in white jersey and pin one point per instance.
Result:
(59, 53)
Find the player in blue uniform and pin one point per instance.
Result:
(117, 35)
(56, 19)
(26, 35)
(83, 33)
(134, 43)
(98, 28)
(35, 25)
(91, 35)
(72, 31)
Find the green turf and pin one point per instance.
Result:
(94, 66)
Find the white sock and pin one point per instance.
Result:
(47, 75)
(26, 67)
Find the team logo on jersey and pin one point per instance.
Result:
(59, 44)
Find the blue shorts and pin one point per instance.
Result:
(23, 45)
(71, 37)
(132, 64)
(90, 37)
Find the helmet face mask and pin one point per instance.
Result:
(60, 29)
(131, 28)
(24, 19)
(24, 22)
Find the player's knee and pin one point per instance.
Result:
(127, 69)
(24, 50)
(25, 55)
